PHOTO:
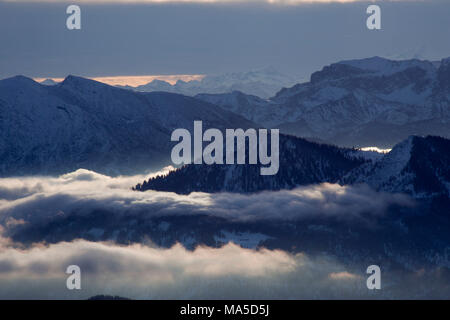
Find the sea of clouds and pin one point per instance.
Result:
(32, 199)
(143, 271)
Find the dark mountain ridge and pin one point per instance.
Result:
(419, 166)
(300, 163)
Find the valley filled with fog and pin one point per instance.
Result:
(159, 245)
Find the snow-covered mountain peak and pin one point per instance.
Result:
(383, 66)
(418, 166)
(357, 103)
(372, 64)
(20, 89)
(82, 123)
(263, 83)
(18, 81)
(161, 82)
(48, 82)
(392, 163)
(76, 82)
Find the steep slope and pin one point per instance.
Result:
(301, 163)
(251, 107)
(81, 123)
(368, 102)
(419, 166)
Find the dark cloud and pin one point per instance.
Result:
(138, 39)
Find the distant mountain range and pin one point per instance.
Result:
(82, 123)
(419, 166)
(263, 83)
(368, 102)
(78, 123)
(355, 103)
(49, 82)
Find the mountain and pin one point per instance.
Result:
(419, 166)
(251, 107)
(369, 102)
(48, 82)
(82, 123)
(300, 163)
(263, 83)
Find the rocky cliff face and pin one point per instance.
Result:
(368, 102)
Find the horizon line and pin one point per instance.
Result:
(132, 80)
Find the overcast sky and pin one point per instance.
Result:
(194, 38)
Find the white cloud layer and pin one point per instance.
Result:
(142, 272)
(34, 199)
(146, 272)
(230, 272)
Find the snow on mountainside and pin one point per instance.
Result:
(48, 82)
(263, 83)
(387, 67)
(419, 166)
(364, 103)
(82, 123)
(250, 107)
(301, 163)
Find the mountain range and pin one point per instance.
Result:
(369, 102)
(263, 83)
(405, 235)
(419, 166)
(300, 163)
(81, 123)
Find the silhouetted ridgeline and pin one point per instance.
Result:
(419, 166)
(301, 163)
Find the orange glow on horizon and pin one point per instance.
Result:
(137, 80)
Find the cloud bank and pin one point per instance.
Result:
(144, 271)
(141, 272)
(36, 199)
(230, 272)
